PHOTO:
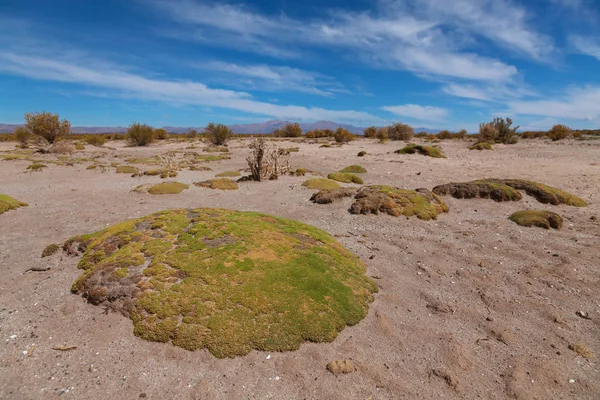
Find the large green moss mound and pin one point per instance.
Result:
(320, 184)
(8, 203)
(508, 190)
(224, 280)
(354, 169)
(539, 218)
(429, 151)
(395, 201)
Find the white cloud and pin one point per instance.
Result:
(576, 104)
(263, 77)
(391, 38)
(171, 91)
(489, 92)
(586, 45)
(418, 112)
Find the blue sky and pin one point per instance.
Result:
(433, 63)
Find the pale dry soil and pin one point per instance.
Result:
(470, 306)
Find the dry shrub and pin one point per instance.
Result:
(400, 131)
(488, 132)
(289, 130)
(62, 147)
(342, 135)
(558, 132)
(95, 140)
(370, 132)
(160, 134)
(267, 162)
(47, 125)
(383, 134)
(22, 135)
(140, 135)
(218, 134)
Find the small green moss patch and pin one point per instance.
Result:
(127, 169)
(481, 146)
(8, 203)
(218, 183)
(320, 184)
(345, 177)
(228, 174)
(167, 188)
(429, 151)
(354, 169)
(539, 218)
(49, 250)
(36, 166)
(224, 280)
(93, 166)
(395, 201)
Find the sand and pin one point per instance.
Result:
(469, 306)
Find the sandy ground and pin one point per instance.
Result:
(470, 306)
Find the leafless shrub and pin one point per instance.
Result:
(266, 161)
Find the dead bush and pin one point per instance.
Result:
(267, 162)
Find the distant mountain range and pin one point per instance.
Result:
(257, 128)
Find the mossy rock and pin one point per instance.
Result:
(327, 196)
(299, 172)
(508, 190)
(362, 153)
(485, 189)
(354, 169)
(395, 201)
(481, 146)
(37, 167)
(8, 203)
(320, 184)
(224, 280)
(50, 250)
(429, 151)
(229, 174)
(127, 169)
(345, 177)
(539, 218)
(218, 183)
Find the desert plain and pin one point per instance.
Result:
(470, 306)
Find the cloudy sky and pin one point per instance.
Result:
(432, 63)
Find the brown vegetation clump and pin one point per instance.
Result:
(362, 153)
(485, 189)
(140, 135)
(218, 183)
(581, 350)
(341, 367)
(394, 201)
(8, 203)
(558, 132)
(222, 280)
(539, 218)
(327, 196)
(267, 162)
(62, 147)
(47, 125)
